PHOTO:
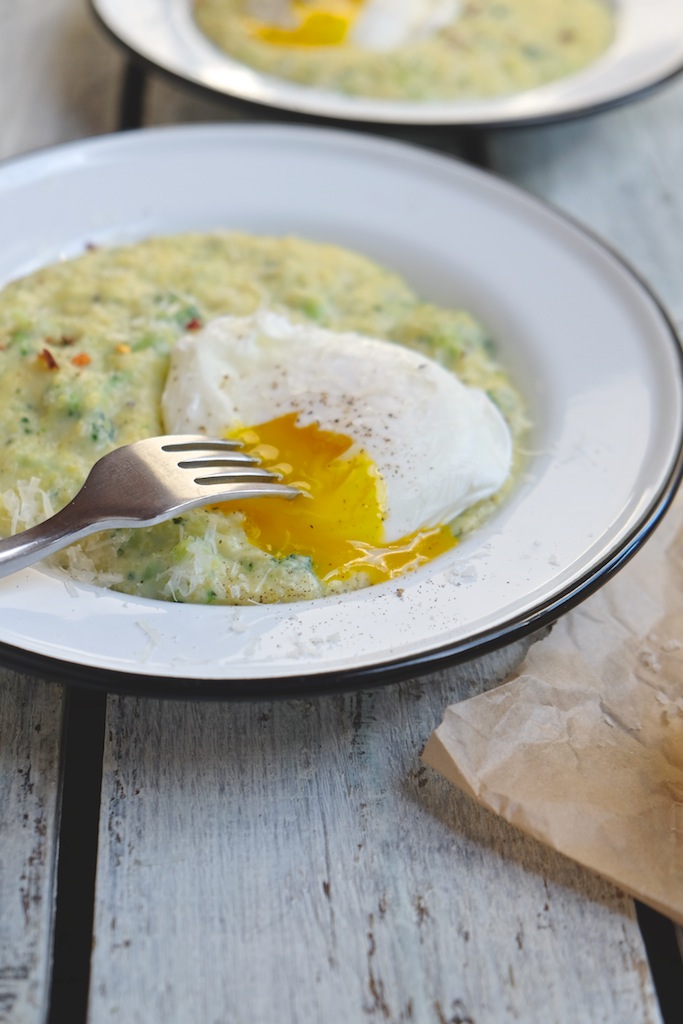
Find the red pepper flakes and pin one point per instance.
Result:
(48, 359)
(193, 325)
(82, 359)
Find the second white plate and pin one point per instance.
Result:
(648, 49)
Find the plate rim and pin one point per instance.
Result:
(389, 670)
(422, 120)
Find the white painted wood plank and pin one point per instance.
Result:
(59, 78)
(296, 862)
(620, 173)
(30, 732)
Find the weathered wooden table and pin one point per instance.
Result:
(295, 862)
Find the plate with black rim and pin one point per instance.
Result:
(583, 338)
(647, 51)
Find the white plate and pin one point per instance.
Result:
(648, 49)
(586, 342)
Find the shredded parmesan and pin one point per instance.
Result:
(27, 504)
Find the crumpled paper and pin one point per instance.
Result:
(583, 748)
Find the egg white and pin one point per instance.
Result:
(438, 445)
(388, 24)
(273, 12)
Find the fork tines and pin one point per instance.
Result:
(225, 454)
(198, 444)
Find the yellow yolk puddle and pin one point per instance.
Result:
(315, 26)
(338, 523)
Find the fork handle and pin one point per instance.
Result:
(60, 530)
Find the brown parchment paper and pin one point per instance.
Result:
(583, 748)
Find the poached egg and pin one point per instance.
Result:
(386, 445)
(370, 24)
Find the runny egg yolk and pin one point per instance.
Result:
(338, 521)
(325, 24)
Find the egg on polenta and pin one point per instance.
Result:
(370, 24)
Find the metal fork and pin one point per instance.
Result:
(142, 484)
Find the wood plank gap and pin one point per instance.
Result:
(83, 745)
(666, 963)
(132, 103)
(475, 148)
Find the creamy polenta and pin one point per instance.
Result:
(85, 347)
(492, 48)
